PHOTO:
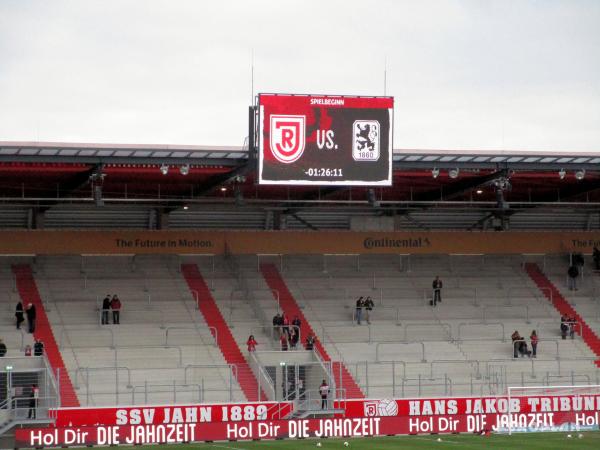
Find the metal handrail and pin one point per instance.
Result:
(444, 325)
(66, 331)
(213, 332)
(117, 347)
(455, 361)
(100, 369)
(127, 311)
(485, 308)
(464, 324)
(379, 344)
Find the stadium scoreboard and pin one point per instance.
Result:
(324, 140)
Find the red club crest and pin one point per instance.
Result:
(287, 137)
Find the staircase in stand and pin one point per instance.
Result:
(225, 340)
(29, 293)
(290, 307)
(563, 307)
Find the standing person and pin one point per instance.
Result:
(596, 256)
(359, 306)
(310, 342)
(534, 343)
(251, 343)
(105, 308)
(283, 340)
(33, 398)
(563, 327)
(297, 323)
(2, 348)
(324, 392)
(437, 290)
(294, 337)
(573, 273)
(286, 325)
(572, 322)
(31, 314)
(276, 329)
(368, 308)
(516, 340)
(38, 348)
(115, 305)
(19, 315)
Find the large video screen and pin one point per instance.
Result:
(325, 140)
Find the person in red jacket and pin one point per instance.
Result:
(115, 305)
(251, 343)
(534, 343)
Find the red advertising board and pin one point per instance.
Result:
(165, 414)
(325, 140)
(363, 418)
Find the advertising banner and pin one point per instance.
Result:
(325, 140)
(363, 418)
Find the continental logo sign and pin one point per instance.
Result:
(370, 243)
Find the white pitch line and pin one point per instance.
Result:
(443, 441)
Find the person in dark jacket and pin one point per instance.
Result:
(33, 398)
(105, 309)
(19, 315)
(596, 256)
(38, 348)
(2, 348)
(31, 315)
(437, 286)
(573, 273)
(369, 307)
(310, 342)
(360, 303)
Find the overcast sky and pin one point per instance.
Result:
(465, 74)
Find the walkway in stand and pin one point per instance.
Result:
(563, 307)
(290, 307)
(225, 340)
(29, 293)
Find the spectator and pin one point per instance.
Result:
(276, 325)
(19, 315)
(285, 322)
(28, 350)
(563, 327)
(294, 337)
(251, 343)
(516, 340)
(297, 323)
(105, 308)
(115, 305)
(572, 323)
(359, 306)
(534, 343)
(310, 342)
(283, 340)
(596, 256)
(523, 349)
(368, 308)
(33, 398)
(38, 348)
(324, 392)
(437, 286)
(2, 348)
(573, 273)
(31, 315)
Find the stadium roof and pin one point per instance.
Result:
(234, 155)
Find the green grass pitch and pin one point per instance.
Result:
(542, 441)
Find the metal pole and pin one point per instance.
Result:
(146, 391)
